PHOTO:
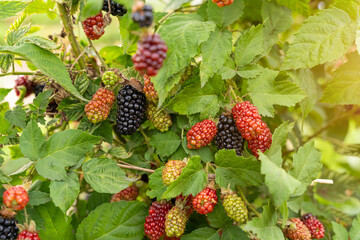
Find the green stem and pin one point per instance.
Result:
(247, 202)
(97, 54)
(20, 73)
(70, 33)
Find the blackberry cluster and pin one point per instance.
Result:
(235, 207)
(128, 194)
(15, 198)
(222, 3)
(94, 27)
(149, 89)
(8, 228)
(26, 235)
(116, 8)
(297, 230)
(131, 112)
(201, 134)
(24, 81)
(172, 171)
(251, 127)
(159, 118)
(143, 14)
(39, 88)
(109, 78)
(205, 201)
(104, 95)
(150, 55)
(315, 227)
(97, 111)
(228, 136)
(155, 221)
(175, 222)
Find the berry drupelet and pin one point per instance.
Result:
(116, 8)
(201, 134)
(222, 3)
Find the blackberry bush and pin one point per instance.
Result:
(116, 8)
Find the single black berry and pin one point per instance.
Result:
(8, 228)
(131, 111)
(38, 88)
(228, 136)
(143, 15)
(116, 8)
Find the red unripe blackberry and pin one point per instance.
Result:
(171, 238)
(315, 227)
(97, 111)
(25, 235)
(186, 201)
(228, 136)
(116, 8)
(222, 3)
(8, 228)
(201, 134)
(245, 109)
(15, 198)
(24, 81)
(235, 207)
(175, 222)
(94, 27)
(131, 112)
(150, 55)
(172, 171)
(104, 95)
(159, 118)
(143, 14)
(205, 201)
(149, 89)
(155, 221)
(128, 194)
(297, 230)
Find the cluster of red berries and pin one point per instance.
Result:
(155, 221)
(150, 55)
(222, 3)
(128, 194)
(94, 27)
(149, 90)
(205, 201)
(99, 107)
(251, 127)
(306, 228)
(315, 227)
(24, 81)
(201, 134)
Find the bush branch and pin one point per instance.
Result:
(135, 168)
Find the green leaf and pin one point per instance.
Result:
(31, 141)
(53, 224)
(355, 229)
(156, 184)
(16, 166)
(214, 53)
(63, 149)
(250, 71)
(300, 6)
(235, 170)
(39, 41)
(265, 225)
(73, 111)
(281, 185)
(3, 93)
(40, 6)
(105, 176)
(183, 33)
(81, 82)
(5, 62)
(47, 62)
(91, 8)
(119, 152)
(224, 16)
(38, 198)
(202, 234)
(42, 100)
(266, 92)
(218, 217)
(17, 116)
(249, 45)
(11, 8)
(64, 193)
(14, 36)
(191, 181)
(344, 87)
(165, 143)
(205, 153)
(340, 231)
(124, 26)
(307, 166)
(329, 29)
(234, 233)
(124, 220)
(175, 4)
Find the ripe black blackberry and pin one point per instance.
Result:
(143, 14)
(131, 112)
(8, 228)
(228, 136)
(38, 88)
(116, 8)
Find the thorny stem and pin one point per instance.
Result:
(21, 73)
(97, 54)
(247, 202)
(70, 33)
(135, 168)
(78, 58)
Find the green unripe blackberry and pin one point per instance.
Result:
(172, 171)
(175, 222)
(235, 207)
(159, 118)
(109, 78)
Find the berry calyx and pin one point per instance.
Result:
(24, 81)
(116, 8)
(128, 194)
(315, 227)
(142, 14)
(15, 198)
(222, 3)
(172, 171)
(150, 55)
(297, 230)
(186, 201)
(104, 95)
(201, 134)
(175, 222)
(235, 207)
(109, 78)
(155, 221)
(205, 201)
(131, 112)
(149, 90)
(228, 136)
(8, 228)
(97, 111)
(159, 118)
(94, 27)
(25, 235)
